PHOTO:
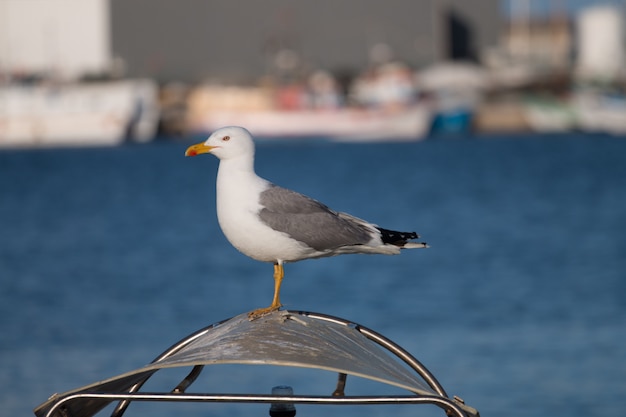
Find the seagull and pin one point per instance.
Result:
(269, 223)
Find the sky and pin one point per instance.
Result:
(543, 7)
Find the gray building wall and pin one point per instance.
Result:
(193, 40)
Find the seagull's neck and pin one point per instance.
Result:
(240, 163)
(236, 169)
(236, 188)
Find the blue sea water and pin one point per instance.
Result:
(108, 256)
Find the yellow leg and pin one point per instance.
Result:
(279, 273)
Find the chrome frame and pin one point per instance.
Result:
(452, 407)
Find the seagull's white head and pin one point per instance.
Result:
(225, 143)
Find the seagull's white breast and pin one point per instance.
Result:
(237, 213)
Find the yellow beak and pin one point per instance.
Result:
(197, 149)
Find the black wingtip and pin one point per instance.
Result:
(396, 238)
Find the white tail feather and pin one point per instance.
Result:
(415, 245)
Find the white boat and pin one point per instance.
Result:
(104, 113)
(456, 90)
(600, 112)
(345, 124)
(550, 116)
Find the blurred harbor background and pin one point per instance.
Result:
(106, 71)
(110, 249)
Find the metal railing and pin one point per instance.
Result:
(452, 406)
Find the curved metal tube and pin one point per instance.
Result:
(444, 403)
(390, 346)
(123, 405)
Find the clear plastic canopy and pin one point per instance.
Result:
(282, 338)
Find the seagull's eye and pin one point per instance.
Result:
(226, 138)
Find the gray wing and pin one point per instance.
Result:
(311, 222)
